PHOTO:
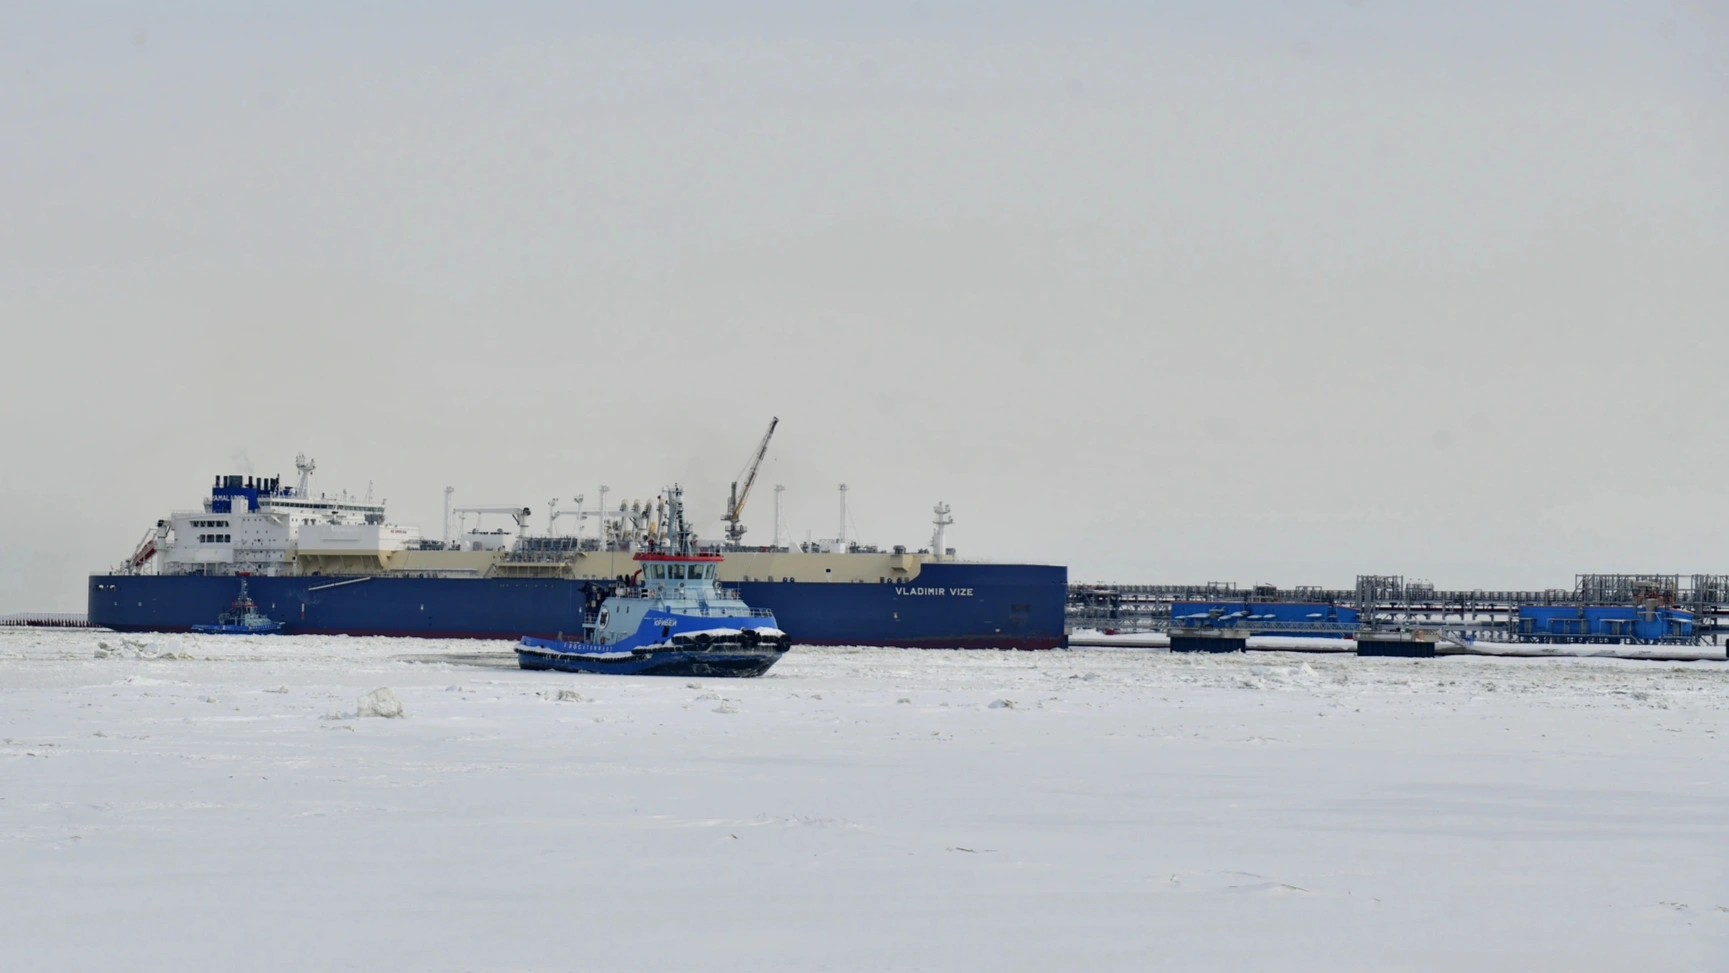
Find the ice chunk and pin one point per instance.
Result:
(380, 702)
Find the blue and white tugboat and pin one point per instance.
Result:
(672, 618)
(241, 618)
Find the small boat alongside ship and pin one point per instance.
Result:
(241, 618)
(671, 618)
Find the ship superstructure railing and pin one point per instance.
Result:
(645, 591)
(712, 611)
(591, 620)
(719, 611)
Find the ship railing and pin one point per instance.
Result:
(536, 557)
(710, 611)
(643, 591)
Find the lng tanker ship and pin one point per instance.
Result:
(329, 565)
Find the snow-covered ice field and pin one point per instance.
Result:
(856, 810)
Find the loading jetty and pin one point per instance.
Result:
(1651, 616)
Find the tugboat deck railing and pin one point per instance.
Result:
(590, 620)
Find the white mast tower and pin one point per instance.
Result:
(779, 488)
(305, 467)
(942, 522)
(447, 492)
(840, 538)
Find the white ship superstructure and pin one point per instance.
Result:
(255, 525)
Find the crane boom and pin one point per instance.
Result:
(735, 505)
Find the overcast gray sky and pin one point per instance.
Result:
(1204, 291)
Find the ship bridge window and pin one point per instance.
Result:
(675, 572)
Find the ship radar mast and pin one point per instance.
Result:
(680, 538)
(305, 467)
(942, 521)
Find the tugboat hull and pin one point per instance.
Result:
(717, 660)
(272, 629)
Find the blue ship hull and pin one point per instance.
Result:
(996, 606)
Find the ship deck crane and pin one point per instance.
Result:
(518, 514)
(735, 503)
(147, 549)
(553, 513)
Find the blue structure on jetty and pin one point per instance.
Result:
(1267, 618)
(1651, 623)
